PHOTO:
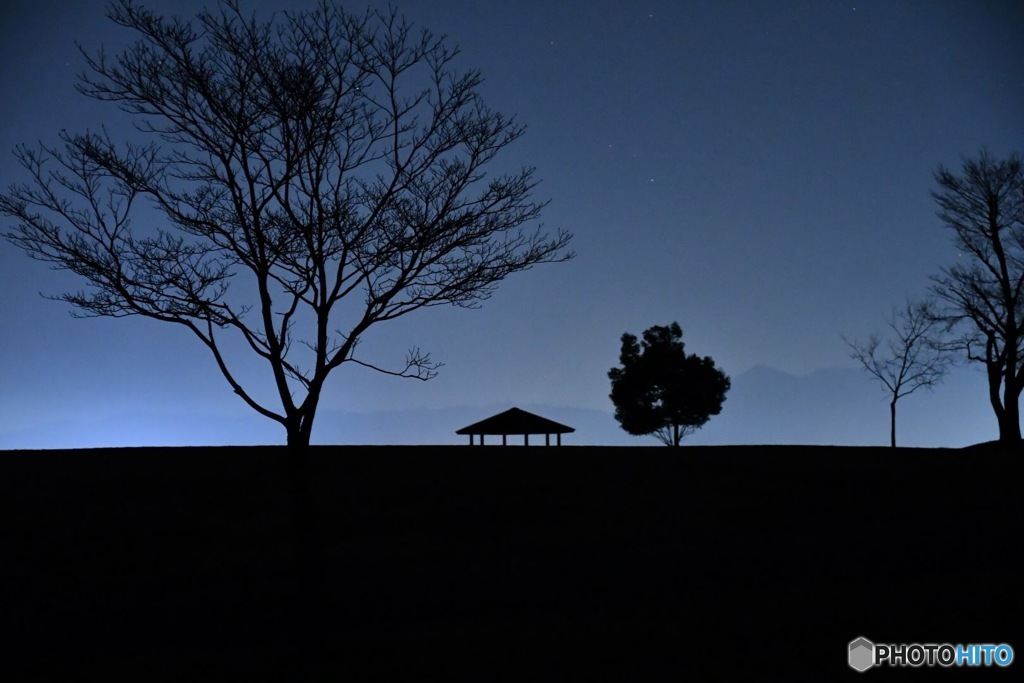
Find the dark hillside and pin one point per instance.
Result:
(708, 563)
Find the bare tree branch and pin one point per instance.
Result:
(984, 308)
(912, 359)
(300, 179)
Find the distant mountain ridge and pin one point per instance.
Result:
(770, 406)
(764, 406)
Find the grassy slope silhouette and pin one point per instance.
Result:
(627, 563)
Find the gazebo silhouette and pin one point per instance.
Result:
(516, 421)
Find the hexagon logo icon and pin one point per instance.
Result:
(862, 654)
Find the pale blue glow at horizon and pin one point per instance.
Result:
(792, 147)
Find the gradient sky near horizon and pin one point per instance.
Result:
(757, 171)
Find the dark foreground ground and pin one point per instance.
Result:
(631, 564)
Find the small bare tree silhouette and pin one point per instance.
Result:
(909, 361)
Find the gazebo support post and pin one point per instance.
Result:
(547, 439)
(504, 439)
(526, 439)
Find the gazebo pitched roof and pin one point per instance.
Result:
(516, 421)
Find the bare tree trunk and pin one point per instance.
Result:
(1005, 407)
(297, 438)
(1009, 417)
(892, 423)
(1009, 427)
(1009, 422)
(300, 494)
(299, 426)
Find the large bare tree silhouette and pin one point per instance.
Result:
(984, 290)
(314, 175)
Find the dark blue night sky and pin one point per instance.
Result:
(757, 171)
